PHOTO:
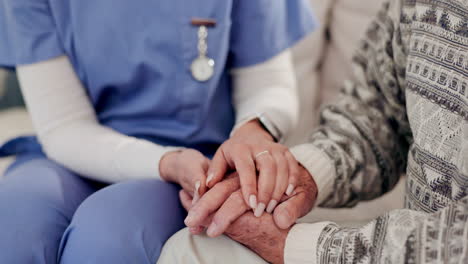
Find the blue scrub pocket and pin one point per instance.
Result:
(218, 35)
(193, 94)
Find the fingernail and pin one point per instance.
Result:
(188, 219)
(290, 190)
(259, 210)
(271, 206)
(253, 201)
(210, 177)
(196, 194)
(212, 230)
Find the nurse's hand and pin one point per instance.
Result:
(250, 150)
(188, 168)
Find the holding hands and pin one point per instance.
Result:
(223, 210)
(283, 187)
(251, 149)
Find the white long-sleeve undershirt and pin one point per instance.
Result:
(68, 129)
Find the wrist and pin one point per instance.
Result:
(313, 185)
(254, 127)
(282, 247)
(320, 166)
(276, 254)
(167, 165)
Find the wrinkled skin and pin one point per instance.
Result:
(224, 206)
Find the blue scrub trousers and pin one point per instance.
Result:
(50, 215)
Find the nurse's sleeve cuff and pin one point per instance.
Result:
(268, 88)
(146, 157)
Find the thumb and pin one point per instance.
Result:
(187, 204)
(286, 214)
(218, 168)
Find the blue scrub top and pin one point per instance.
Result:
(134, 57)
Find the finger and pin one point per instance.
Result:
(198, 180)
(245, 166)
(232, 209)
(185, 199)
(294, 171)
(266, 181)
(187, 204)
(290, 210)
(205, 165)
(218, 168)
(281, 184)
(196, 230)
(211, 201)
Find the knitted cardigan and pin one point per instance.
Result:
(407, 112)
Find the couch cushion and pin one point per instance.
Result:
(10, 94)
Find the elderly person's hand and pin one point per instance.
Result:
(223, 205)
(261, 235)
(187, 168)
(253, 149)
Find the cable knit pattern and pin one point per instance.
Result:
(407, 111)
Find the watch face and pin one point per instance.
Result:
(202, 69)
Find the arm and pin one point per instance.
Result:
(70, 133)
(401, 236)
(361, 149)
(267, 88)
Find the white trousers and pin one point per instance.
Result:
(184, 248)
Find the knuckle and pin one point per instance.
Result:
(295, 169)
(218, 187)
(277, 196)
(262, 194)
(268, 159)
(244, 158)
(281, 148)
(218, 219)
(292, 179)
(294, 174)
(266, 163)
(283, 168)
(235, 196)
(288, 153)
(238, 148)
